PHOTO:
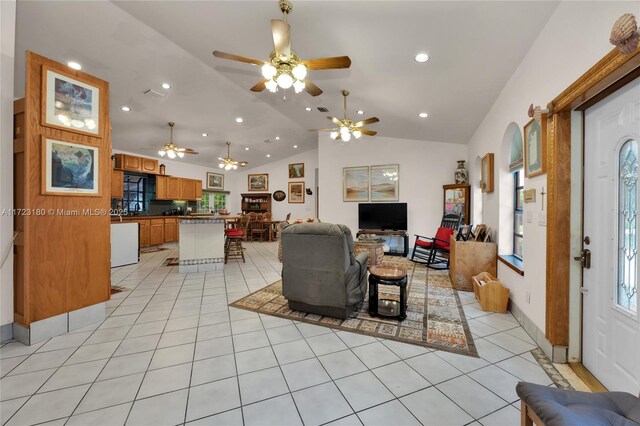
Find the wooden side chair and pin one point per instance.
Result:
(434, 251)
(259, 228)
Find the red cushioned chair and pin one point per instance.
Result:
(434, 251)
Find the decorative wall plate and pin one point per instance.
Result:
(279, 195)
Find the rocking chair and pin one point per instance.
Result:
(434, 251)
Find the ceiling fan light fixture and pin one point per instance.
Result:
(269, 71)
(346, 136)
(221, 165)
(298, 86)
(180, 154)
(171, 154)
(272, 86)
(357, 134)
(161, 153)
(299, 72)
(284, 80)
(333, 135)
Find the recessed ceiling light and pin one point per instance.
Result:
(277, 138)
(423, 115)
(360, 112)
(74, 65)
(246, 148)
(126, 108)
(295, 146)
(308, 108)
(239, 120)
(204, 135)
(421, 57)
(268, 155)
(166, 86)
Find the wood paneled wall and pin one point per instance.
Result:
(62, 262)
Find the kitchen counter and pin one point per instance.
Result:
(142, 217)
(201, 244)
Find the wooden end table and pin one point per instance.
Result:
(388, 275)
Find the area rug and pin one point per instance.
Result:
(153, 249)
(435, 318)
(171, 261)
(117, 289)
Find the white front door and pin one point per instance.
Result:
(611, 325)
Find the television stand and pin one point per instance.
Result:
(389, 237)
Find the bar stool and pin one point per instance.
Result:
(233, 244)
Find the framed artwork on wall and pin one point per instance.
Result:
(70, 103)
(258, 182)
(535, 147)
(355, 184)
(385, 182)
(296, 170)
(296, 192)
(69, 168)
(486, 182)
(215, 181)
(456, 201)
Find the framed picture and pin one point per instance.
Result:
(69, 103)
(385, 182)
(355, 184)
(456, 201)
(296, 170)
(258, 182)
(296, 192)
(215, 181)
(535, 147)
(486, 182)
(69, 168)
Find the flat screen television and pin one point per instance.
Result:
(387, 216)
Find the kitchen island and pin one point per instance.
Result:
(201, 244)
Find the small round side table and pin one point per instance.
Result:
(387, 275)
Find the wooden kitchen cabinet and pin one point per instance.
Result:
(173, 188)
(170, 230)
(144, 232)
(187, 189)
(156, 232)
(131, 163)
(198, 184)
(161, 187)
(117, 183)
(149, 165)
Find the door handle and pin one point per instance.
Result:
(584, 258)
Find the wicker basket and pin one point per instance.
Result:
(375, 250)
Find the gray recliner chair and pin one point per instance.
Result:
(320, 272)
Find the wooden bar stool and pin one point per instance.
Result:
(233, 244)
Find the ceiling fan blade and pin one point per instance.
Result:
(323, 130)
(312, 88)
(327, 63)
(368, 132)
(335, 121)
(260, 86)
(367, 121)
(281, 37)
(232, 57)
(190, 151)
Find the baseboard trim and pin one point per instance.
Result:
(6, 332)
(557, 354)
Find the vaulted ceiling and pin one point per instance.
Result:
(136, 45)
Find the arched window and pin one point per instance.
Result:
(515, 167)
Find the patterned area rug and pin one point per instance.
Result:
(171, 261)
(435, 318)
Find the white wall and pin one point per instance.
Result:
(575, 38)
(424, 168)
(279, 180)
(7, 52)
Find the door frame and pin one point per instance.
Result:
(563, 322)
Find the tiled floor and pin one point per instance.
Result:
(171, 351)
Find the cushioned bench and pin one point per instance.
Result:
(544, 405)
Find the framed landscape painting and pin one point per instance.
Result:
(535, 147)
(69, 103)
(385, 182)
(355, 184)
(296, 170)
(258, 182)
(69, 168)
(215, 181)
(296, 192)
